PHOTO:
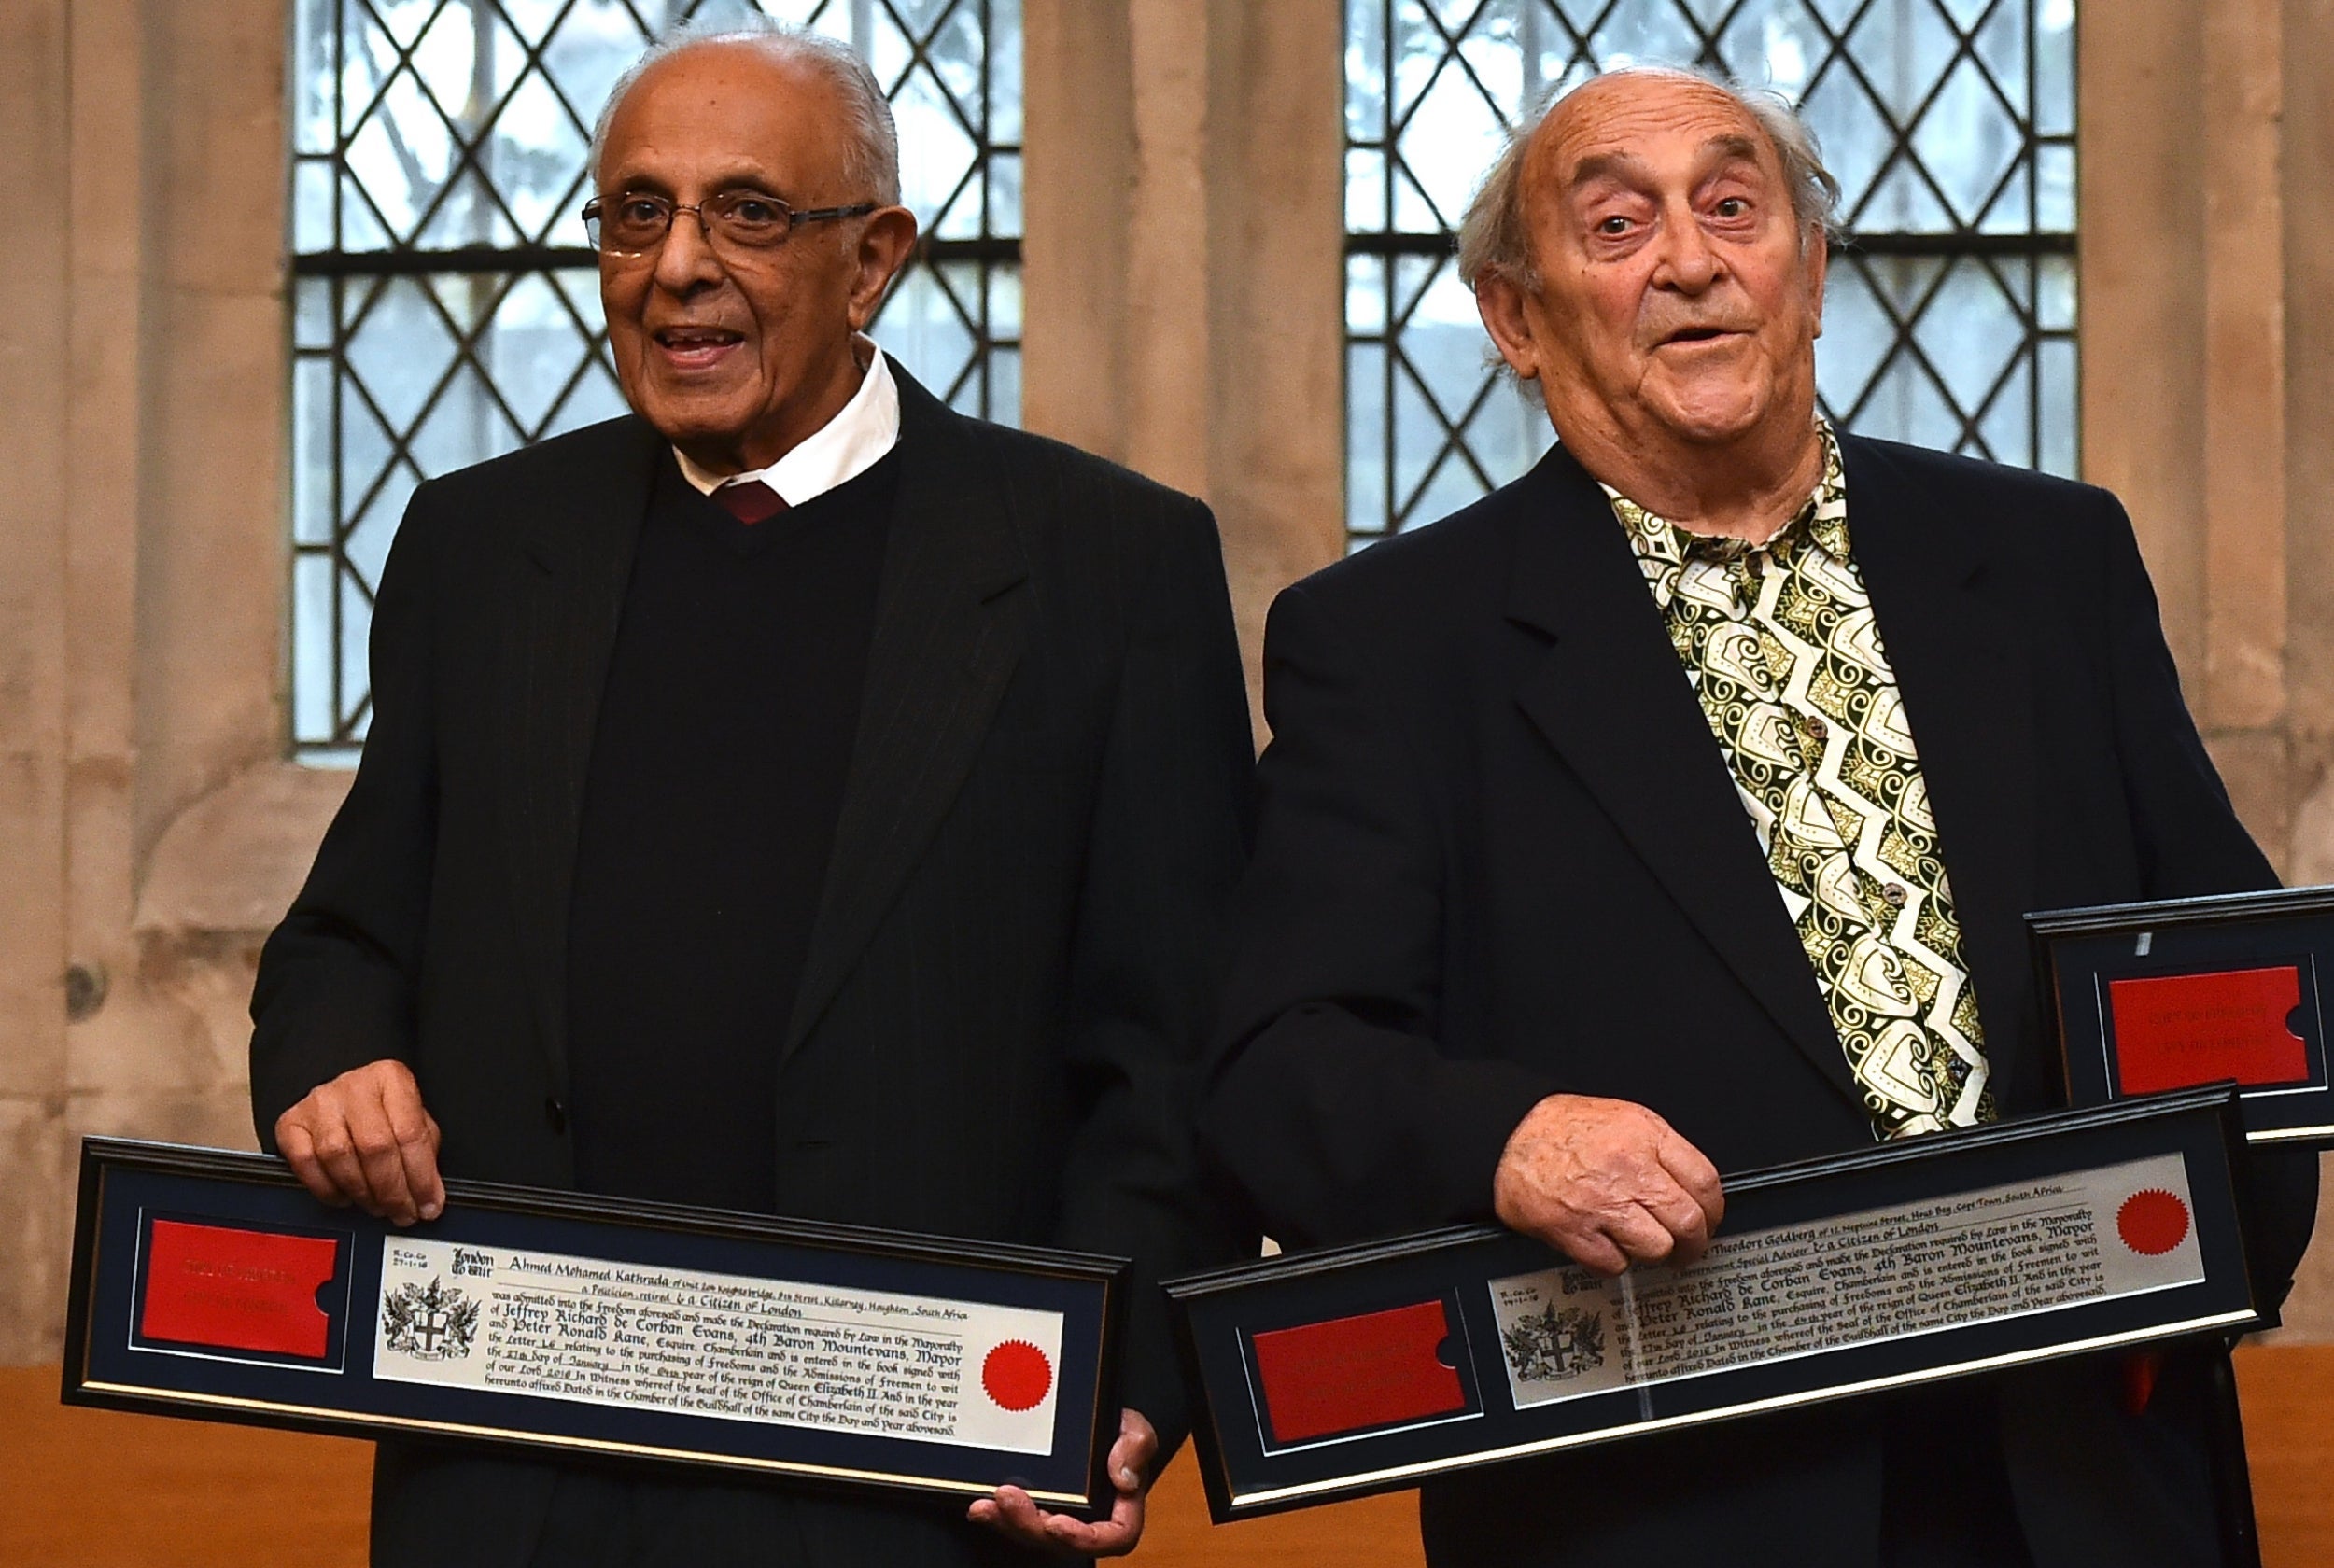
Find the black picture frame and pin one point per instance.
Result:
(140, 1201)
(1220, 1316)
(2082, 955)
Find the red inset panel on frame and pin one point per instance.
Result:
(237, 1290)
(2179, 1029)
(1351, 1374)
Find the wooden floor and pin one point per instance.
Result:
(90, 1490)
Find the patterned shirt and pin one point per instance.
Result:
(1780, 646)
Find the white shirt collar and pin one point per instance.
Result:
(842, 449)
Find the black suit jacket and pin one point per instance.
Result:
(1008, 986)
(1501, 856)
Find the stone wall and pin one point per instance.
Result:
(141, 603)
(1185, 286)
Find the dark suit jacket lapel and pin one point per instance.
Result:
(949, 632)
(1956, 639)
(577, 548)
(1610, 697)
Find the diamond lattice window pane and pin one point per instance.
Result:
(1949, 124)
(443, 311)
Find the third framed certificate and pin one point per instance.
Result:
(2187, 991)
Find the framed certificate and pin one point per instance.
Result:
(1365, 1369)
(2187, 991)
(210, 1285)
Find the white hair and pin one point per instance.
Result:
(1493, 239)
(871, 148)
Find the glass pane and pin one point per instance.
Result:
(430, 126)
(1949, 124)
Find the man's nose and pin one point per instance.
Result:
(1690, 262)
(686, 259)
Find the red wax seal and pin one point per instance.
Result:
(2152, 1222)
(1017, 1374)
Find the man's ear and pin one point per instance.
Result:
(1817, 246)
(1499, 300)
(886, 239)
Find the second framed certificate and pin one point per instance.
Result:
(1370, 1368)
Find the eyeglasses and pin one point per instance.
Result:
(636, 223)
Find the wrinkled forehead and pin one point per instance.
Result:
(730, 102)
(1637, 117)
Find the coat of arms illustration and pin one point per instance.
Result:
(430, 1322)
(1556, 1343)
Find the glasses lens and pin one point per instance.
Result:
(749, 219)
(628, 224)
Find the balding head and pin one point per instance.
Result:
(1493, 234)
(870, 148)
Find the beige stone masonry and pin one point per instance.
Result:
(1184, 263)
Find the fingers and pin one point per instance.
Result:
(416, 1134)
(1130, 1456)
(1641, 1234)
(1609, 1182)
(365, 1138)
(1012, 1513)
(1115, 1536)
(300, 1152)
(1684, 1220)
(380, 1158)
(1692, 1171)
(1595, 1252)
(1649, 1231)
(336, 1152)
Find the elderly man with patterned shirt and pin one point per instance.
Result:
(1674, 810)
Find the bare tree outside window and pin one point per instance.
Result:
(445, 306)
(1951, 123)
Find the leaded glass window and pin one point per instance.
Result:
(445, 308)
(1951, 123)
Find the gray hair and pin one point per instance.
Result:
(871, 151)
(1493, 239)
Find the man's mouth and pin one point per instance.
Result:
(696, 347)
(1697, 335)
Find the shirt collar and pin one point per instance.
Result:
(859, 436)
(1822, 521)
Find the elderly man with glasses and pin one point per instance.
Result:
(1673, 811)
(797, 798)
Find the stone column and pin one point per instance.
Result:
(1184, 242)
(2182, 312)
(2306, 551)
(142, 366)
(2307, 258)
(35, 143)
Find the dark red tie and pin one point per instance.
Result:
(748, 500)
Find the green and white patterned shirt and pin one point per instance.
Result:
(1780, 646)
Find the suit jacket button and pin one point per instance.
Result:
(555, 1113)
